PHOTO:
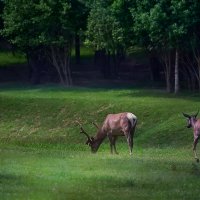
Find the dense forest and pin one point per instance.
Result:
(46, 31)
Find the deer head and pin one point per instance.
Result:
(190, 119)
(90, 141)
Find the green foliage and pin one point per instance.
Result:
(30, 24)
(121, 11)
(109, 25)
(103, 30)
(45, 27)
(154, 24)
(162, 24)
(140, 15)
(23, 22)
(181, 21)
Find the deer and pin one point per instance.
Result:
(193, 122)
(114, 125)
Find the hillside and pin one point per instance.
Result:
(47, 115)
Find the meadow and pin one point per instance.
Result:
(43, 155)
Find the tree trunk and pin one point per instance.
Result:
(77, 48)
(168, 82)
(176, 73)
(167, 62)
(60, 58)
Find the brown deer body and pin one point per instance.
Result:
(114, 125)
(195, 124)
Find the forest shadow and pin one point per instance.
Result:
(125, 89)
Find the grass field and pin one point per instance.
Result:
(43, 155)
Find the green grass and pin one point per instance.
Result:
(8, 58)
(85, 52)
(29, 173)
(43, 155)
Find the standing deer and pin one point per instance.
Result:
(121, 124)
(195, 124)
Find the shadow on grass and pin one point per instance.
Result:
(121, 177)
(8, 177)
(126, 89)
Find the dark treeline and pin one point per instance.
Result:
(47, 30)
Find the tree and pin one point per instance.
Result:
(121, 12)
(81, 11)
(44, 27)
(1, 12)
(193, 64)
(163, 25)
(150, 28)
(179, 28)
(105, 32)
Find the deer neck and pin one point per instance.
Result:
(193, 122)
(98, 139)
(100, 136)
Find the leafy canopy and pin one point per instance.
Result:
(104, 30)
(41, 22)
(161, 24)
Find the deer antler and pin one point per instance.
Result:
(95, 125)
(186, 115)
(83, 131)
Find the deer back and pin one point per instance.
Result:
(119, 122)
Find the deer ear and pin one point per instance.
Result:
(186, 115)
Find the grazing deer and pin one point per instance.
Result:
(121, 124)
(195, 124)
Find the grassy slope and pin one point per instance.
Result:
(49, 114)
(63, 168)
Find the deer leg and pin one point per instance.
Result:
(194, 148)
(129, 138)
(111, 143)
(111, 148)
(112, 140)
